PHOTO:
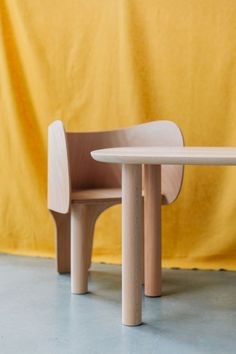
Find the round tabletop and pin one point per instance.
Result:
(171, 155)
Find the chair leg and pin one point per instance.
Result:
(83, 219)
(62, 238)
(152, 233)
(80, 235)
(95, 211)
(90, 244)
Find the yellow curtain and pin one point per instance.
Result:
(106, 64)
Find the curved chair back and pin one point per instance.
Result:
(86, 173)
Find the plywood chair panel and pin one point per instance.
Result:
(87, 173)
(58, 169)
(100, 195)
(76, 181)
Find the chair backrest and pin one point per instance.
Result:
(86, 173)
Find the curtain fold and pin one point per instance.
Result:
(107, 64)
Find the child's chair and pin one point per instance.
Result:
(80, 188)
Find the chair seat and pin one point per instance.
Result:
(96, 195)
(100, 195)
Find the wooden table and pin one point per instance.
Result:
(132, 159)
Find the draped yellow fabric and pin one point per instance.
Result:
(106, 64)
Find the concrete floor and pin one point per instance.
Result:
(197, 313)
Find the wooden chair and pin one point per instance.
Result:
(80, 189)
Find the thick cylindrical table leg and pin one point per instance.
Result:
(142, 245)
(152, 230)
(131, 244)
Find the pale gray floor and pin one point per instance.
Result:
(197, 313)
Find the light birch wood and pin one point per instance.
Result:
(131, 159)
(165, 155)
(96, 210)
(95, 187)
(70, 166)
(62, 240)
(142, 244)
(83, 219)
(59, 185)
(131, 244)
(86, 173)
(100, 195)
(80, 228)
(152, 233)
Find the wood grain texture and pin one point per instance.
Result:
(62, 241)
(96, 209)
(80, 236)
(152, 230)
(98, 195)
(70, 164)
(86, 173)
(95, 187)
(58, 169)
(164, 155)
(71, 167)
(83, 219)
(131, 245)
